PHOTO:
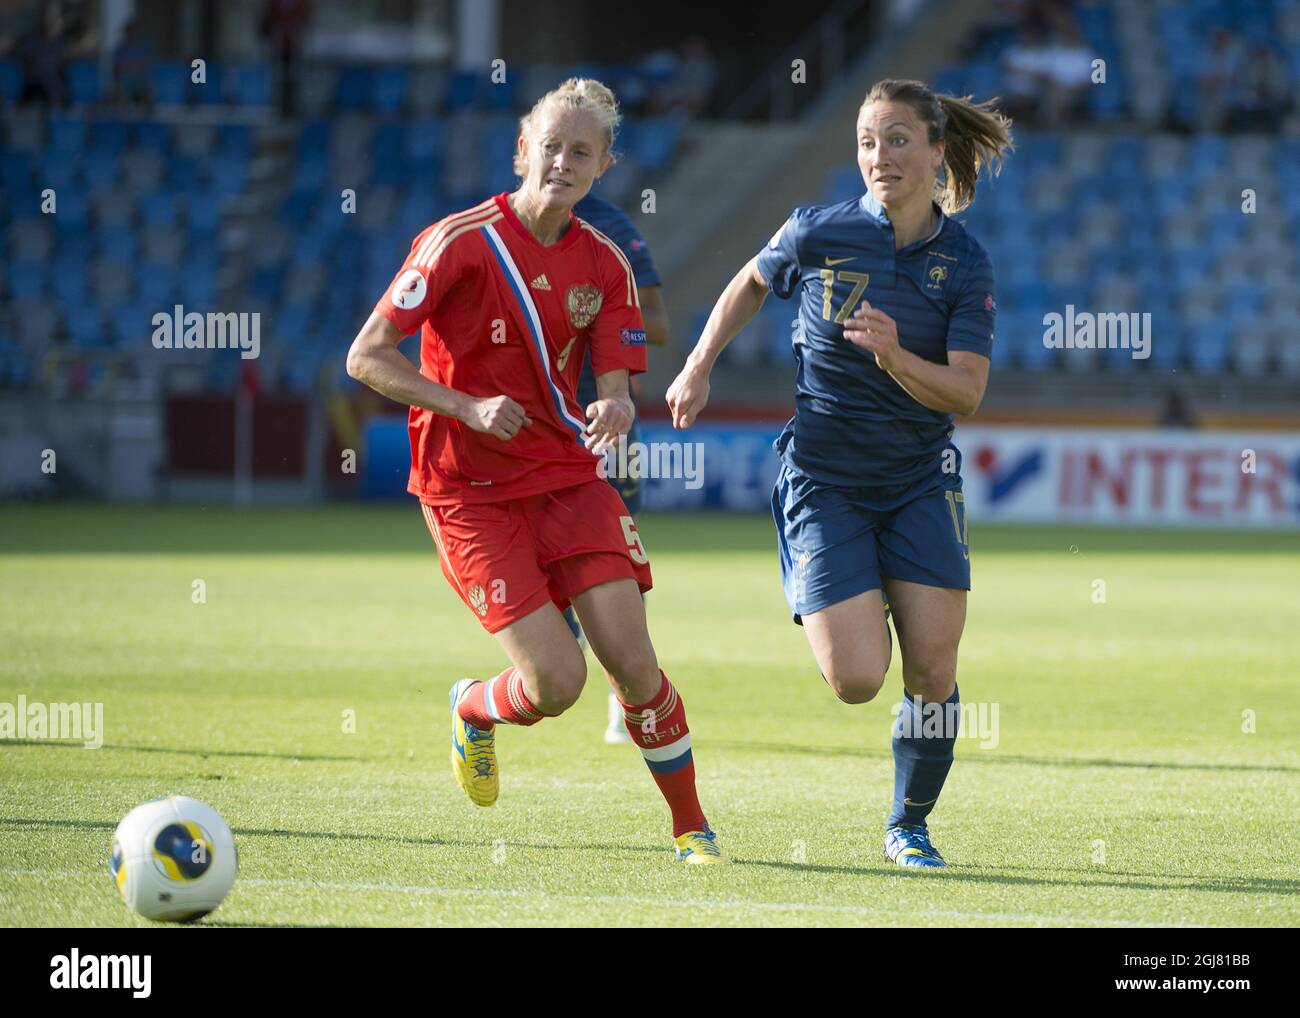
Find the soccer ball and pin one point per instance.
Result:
(173, 859)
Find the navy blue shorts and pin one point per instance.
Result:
(836, 543)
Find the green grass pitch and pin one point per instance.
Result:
(1126, 787)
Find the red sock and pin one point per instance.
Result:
(500, 700)
(659, 729)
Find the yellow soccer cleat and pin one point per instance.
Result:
(700, 848)
(473, 752)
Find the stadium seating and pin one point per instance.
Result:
(156, 207)
(145, 206)
(1109, 220)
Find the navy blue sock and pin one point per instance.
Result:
(921, 763)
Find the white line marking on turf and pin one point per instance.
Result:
(631, 899)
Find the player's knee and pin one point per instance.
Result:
(559, 684)
(855, 685)
(932, 682)
(635, 672)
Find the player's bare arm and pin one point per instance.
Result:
(956, 387)
(374, 360)
(612, 412)
(737, 306)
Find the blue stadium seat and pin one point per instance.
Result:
(1168, 338)
(235, 140)
(83, 82)
(27, 280)
(463, 90)
(197, 280)
(291, 325)
(67, 137)
(170, 82)
(153, 135)
(212, 91)
(86, 328)
(11, 81)
(248, 84)
(389, 87)
(227, 174)
(353, 90)
(1208, 347)
(502, 96)
(266, 285)
(99, 170)
(73, 216)
(108, 136)
(131, 324)
(159, 208)
(118, 244)
(157, 285)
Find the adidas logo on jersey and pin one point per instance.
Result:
(540, 283)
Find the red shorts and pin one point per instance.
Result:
(507, 559)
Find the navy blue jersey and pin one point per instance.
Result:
(615, 224)
(853, 424)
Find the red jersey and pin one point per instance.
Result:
(503, 315)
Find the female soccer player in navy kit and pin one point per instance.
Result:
(894, 338)
(508, 297)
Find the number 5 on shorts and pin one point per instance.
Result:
(953, 498)
(635, 549)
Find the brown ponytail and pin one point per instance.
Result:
(975, 135)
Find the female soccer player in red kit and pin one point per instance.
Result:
(508, 295)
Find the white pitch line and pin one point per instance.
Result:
(629, 899)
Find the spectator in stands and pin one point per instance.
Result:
(1217, 75)
(1261, 93)
(1176, 413)
(682, 81)
(697, 77)
(132, 61)
(283, 24)
(42, 53)
(1048, 71)
(1069, 73)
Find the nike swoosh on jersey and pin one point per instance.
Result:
(838, 261)
(564, 354)
(909, 802)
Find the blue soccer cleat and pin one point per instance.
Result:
(910, 846)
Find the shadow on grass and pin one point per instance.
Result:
(996, 758)
(269, 926)
(189, 751)
(387, 839)
(988, 875)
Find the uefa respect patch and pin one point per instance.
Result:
(631, 337)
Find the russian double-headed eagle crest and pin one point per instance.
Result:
(583, 301)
